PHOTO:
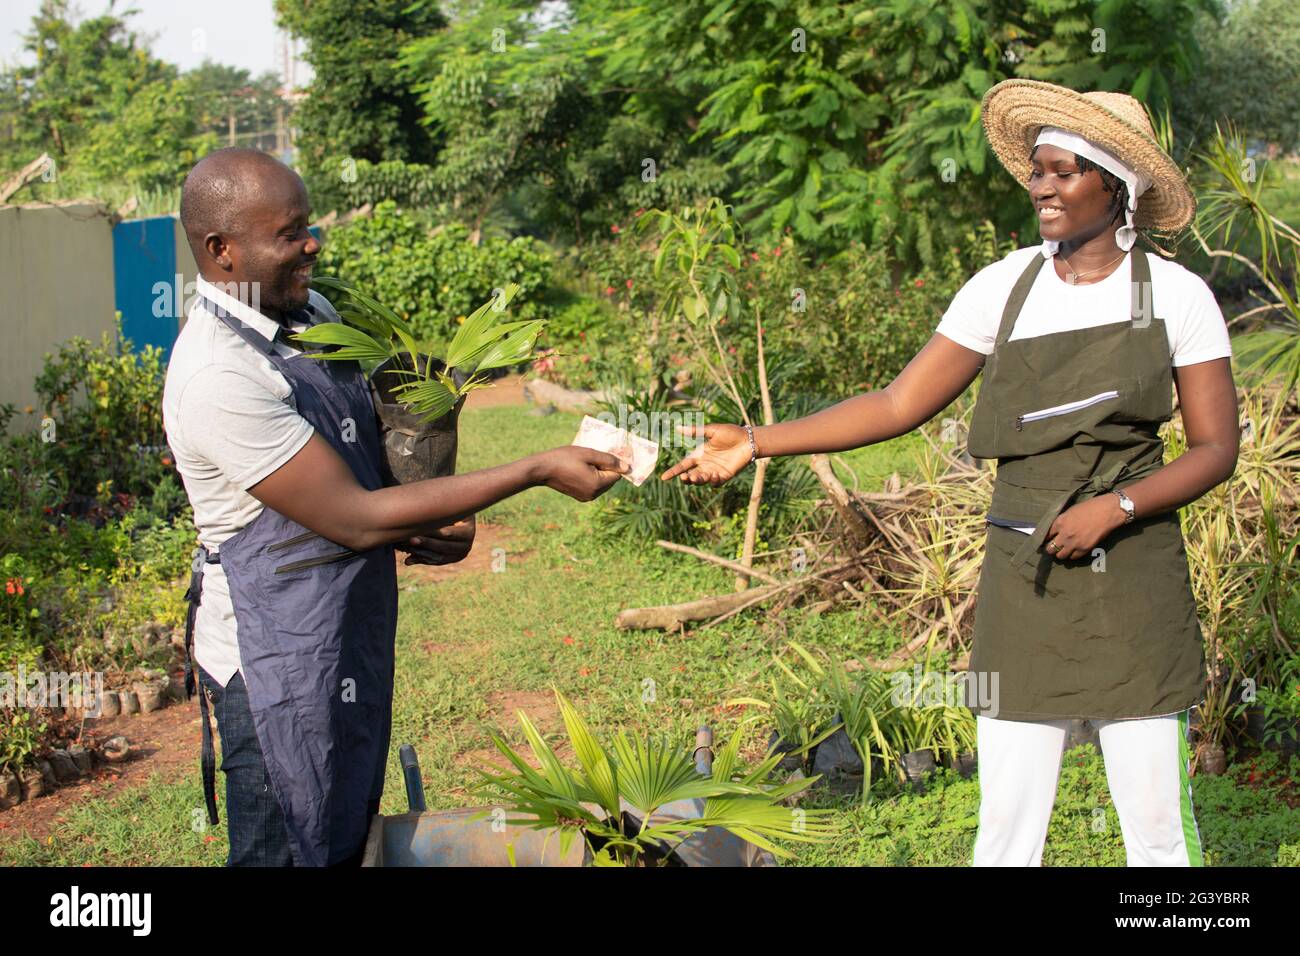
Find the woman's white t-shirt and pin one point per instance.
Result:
(1193, 320)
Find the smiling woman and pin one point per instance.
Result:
(1085, 607)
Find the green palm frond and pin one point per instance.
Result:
(646, 776)
(371, 333)
(355, 344)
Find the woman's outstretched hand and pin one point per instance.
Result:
(718, 460)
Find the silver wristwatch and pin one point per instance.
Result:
(1126, 503)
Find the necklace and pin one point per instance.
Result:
(1074, 277)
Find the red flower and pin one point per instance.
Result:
(629, 283)
(584, 671)
(14, 586)
(639, 211)
(568, 639)
(609, 290)
(614, 228)
(777, 252)
(919, 283)
(582, 335)
(754, 256)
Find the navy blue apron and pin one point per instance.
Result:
(316, 625)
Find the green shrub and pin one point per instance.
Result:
(855, 318)
(104, 431)
(700, 514)
(18, 738)
(594, 342)
(95, 530)
(433, 278)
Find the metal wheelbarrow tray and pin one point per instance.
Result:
(424, 837)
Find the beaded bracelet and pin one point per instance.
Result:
(753, 455)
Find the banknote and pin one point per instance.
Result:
(640, 453)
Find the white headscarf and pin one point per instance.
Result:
(1137, 183)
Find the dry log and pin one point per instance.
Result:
(540, 391)
(668, 616)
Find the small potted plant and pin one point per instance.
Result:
(418, 396)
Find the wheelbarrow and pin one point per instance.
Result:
(423, 837)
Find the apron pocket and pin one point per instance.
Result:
(281, 545)
(317, 561)
(1026, 417)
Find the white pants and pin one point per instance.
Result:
(1146, 770)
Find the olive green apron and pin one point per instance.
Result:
(1071, 415)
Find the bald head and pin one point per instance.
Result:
(245, 215)
(222, 185)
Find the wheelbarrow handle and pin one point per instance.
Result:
(411, 773)
(703, 752)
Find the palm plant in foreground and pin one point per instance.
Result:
(646, 776)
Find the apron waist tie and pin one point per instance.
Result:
(208, 759)
(1027, 553)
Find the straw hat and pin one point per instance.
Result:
(1015, 110)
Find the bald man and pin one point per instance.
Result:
(293, 592)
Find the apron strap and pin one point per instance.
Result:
(1143, 308)
(1016, 300)
(208, 758)
(254, 338)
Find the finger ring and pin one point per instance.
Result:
(1054, 547)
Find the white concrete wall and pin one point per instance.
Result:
(56, 281)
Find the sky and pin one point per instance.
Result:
(235, 32)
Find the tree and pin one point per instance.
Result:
(358, 105)
(99, 103)
(529, 117)
(235, 107)
(863, 117)
(1251, 75)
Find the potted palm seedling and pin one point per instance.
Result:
(418, 396)
(645, 802)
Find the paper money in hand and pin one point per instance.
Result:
(640, 453)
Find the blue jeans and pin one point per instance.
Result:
(254, 821)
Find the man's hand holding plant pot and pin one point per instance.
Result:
(445, 544)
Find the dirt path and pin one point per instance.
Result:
(508, 390)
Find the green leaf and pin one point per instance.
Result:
(356, 344)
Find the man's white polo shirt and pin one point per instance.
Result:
(231, 420)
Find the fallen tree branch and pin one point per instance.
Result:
(32, 171)
(714, 559)
(839, 497)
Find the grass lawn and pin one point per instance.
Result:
(479, 646)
